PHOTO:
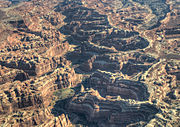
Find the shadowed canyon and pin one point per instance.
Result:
(89, 63)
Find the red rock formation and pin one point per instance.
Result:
(129, 63)
(110, 85)
(124, 54)
(10, 75)
(36, 94)
(114, 111)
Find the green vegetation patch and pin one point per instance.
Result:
(64, 93)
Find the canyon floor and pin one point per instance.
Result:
(90, 63)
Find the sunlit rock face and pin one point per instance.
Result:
(111, 110)
(114, 86)
(113, 100)
(94, 63)
(128, 63)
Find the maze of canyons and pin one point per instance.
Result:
(120, 57)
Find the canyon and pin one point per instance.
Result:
(94, 63)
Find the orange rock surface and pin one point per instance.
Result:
(105, 63)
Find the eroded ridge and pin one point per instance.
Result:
(108, 111)
(88, 26)
(32, 64)
(95, 63)
(131, 14)
(29, 100)
(110, 85)
(127, 63)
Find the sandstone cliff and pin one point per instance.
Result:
(105, 63)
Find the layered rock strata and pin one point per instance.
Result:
(115, 111)
(109, 85)
(123, 54)
(97, 31)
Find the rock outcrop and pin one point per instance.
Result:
(97, 31)
(129, 64)
(32, 65)
(110, 85)
(108, 110)
(34, 96)
(105, 63)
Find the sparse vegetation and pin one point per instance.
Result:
(64, 93)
